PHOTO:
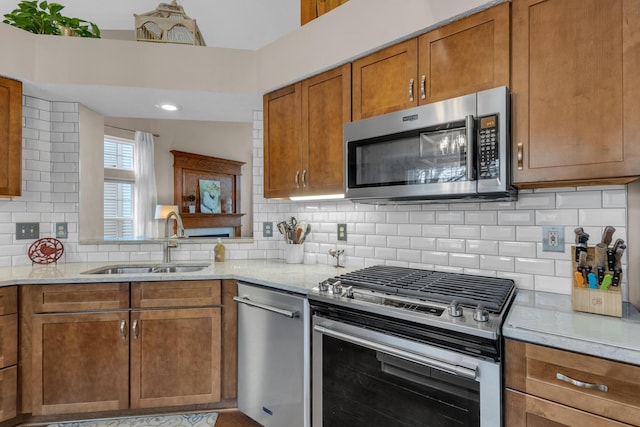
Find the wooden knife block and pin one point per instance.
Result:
(596, 301)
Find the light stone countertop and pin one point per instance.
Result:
(548, 319)
(536, 317)
(297, 278)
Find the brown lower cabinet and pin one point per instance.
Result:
(548, 387)
(158, 344)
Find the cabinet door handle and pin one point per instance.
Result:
(423, 87)
(304, 178)
(520, 156)
(135, 329)
(411, 90)
(600, 387)
(297, 180)
(123, 329)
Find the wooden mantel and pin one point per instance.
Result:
(188, 170)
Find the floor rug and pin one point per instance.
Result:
(205, 419)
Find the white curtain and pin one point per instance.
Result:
(145, 193)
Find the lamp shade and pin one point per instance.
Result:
(163, 210)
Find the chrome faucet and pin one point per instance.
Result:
(169, 243)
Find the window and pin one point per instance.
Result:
(119, 181)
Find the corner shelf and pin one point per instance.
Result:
(188, 170)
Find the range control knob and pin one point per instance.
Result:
(480, 314)
(454, 309)
(337, 287)
(348, 292)
(323, 286)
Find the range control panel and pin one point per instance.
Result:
(488, 148)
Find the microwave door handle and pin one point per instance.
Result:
(471, 143)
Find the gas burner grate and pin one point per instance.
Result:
(435, 286)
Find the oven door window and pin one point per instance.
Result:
(426, 157)
(366, 388)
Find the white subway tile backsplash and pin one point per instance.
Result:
(579, 199)
(481, 217)
(536, 201)
(435, 230)
(526, 217)
(529, 234)
(522, 281)
(522, 249)
(450, 245)
(557, 285)
(488, 247)
(614, 198)
(464, 260)
(433, 257)
(422, 217)
(449, 217)
(615, 217)
(557, 217)
(535, 266)
(497, 232)
(465, 232)
(398, 242)
(498, 263)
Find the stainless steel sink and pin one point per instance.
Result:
(146, 268)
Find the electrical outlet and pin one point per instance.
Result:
(61, 230)
(27, 230)
(552, 239)
(267, 229)
(342, 232)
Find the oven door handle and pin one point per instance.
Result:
(402, 354)
(247, 301)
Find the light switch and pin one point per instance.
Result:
(27, 230)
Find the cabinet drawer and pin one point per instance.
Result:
(83, 297)
(192, 293)
(534, 370)
(8, 393)
(523, 410)
(8, 300)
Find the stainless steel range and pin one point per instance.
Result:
(395, 346)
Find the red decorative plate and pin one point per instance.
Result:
(46, 250)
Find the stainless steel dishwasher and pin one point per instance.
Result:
(273, 356)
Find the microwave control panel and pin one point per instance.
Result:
(488, 149)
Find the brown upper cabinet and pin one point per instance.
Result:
(466, 56)
(303, 140)
(575, 92)
(10, 137)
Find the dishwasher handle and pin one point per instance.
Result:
(286, 313)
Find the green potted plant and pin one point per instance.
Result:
(45, 18)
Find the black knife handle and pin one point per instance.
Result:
(579, 249)
(600, 274)
(616, 276)
(611, 259)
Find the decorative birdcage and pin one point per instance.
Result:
(168, 24)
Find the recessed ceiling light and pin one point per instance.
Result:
(169, 107)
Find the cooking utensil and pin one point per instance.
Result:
(607, 235)
(581, 242)
(606, 282)
(593, 281)
(617, 244)
(616, 276)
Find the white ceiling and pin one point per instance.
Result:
(239, 24)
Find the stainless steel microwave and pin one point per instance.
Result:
(453, 149)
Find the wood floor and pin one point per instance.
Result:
(233, 418)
